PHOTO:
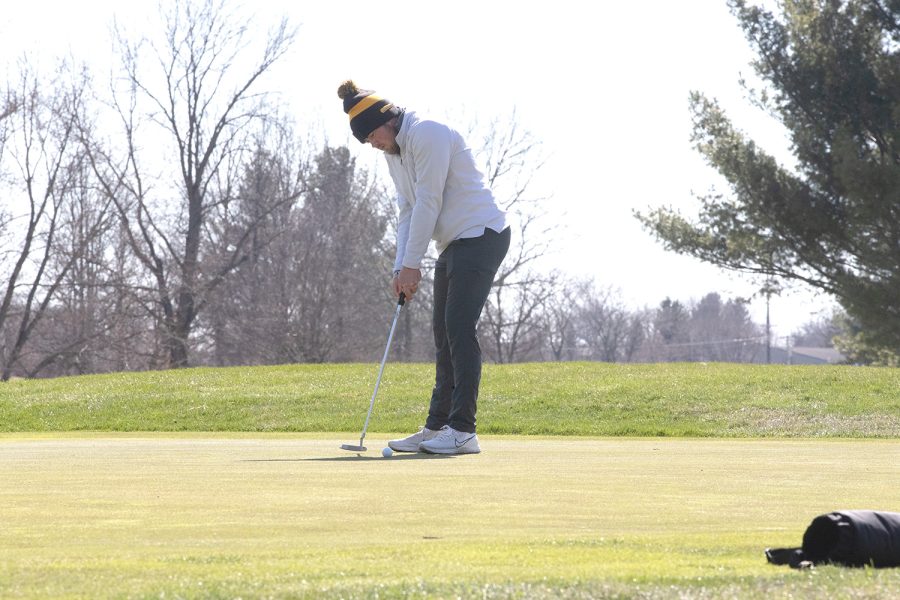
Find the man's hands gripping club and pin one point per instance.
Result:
(407, 282)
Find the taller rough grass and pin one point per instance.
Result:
(705, 400)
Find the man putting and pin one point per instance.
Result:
(442, 196)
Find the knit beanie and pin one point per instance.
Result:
(367, 110)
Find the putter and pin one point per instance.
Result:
(387, 349)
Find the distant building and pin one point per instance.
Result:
(803, 355)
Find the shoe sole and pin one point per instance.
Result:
(449, 451)
(399, 448)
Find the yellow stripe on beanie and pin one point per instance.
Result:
(367, 110)
(363, 105)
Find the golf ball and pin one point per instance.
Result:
(387, 452)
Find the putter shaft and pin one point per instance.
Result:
(387, 349)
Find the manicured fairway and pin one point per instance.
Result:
(166, 516)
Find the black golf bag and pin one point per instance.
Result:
(854, 538)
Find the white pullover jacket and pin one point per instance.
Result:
(440, 191)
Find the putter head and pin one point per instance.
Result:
(353, 448)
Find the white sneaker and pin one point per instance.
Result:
(411, 443)
(451, 441)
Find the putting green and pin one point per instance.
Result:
(294, 516)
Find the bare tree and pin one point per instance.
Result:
(607, 330)
(189, 107)
(306, 294)
(558, 327)
(511, 157)
(40, 163)
(511, 317)
(73, 330)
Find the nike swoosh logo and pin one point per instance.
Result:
(465, 441)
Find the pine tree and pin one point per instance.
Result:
(832, 76)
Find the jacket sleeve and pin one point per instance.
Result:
(405, 212)
(430, 149)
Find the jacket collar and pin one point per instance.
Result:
(406, 119)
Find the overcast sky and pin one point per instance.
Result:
(603, 86)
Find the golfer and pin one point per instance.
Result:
(441, 196)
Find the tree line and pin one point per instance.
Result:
(179, 219)
(173, 215)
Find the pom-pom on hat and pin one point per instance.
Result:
(367, 110)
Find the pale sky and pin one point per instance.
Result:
(603, 86)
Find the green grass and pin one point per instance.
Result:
(698, 400)
(206, 516)
(596, 481)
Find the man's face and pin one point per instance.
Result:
(385, 139)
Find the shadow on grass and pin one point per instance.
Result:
(355, 458)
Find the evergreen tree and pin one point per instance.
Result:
(832, 73)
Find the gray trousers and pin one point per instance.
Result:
(463, 275)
